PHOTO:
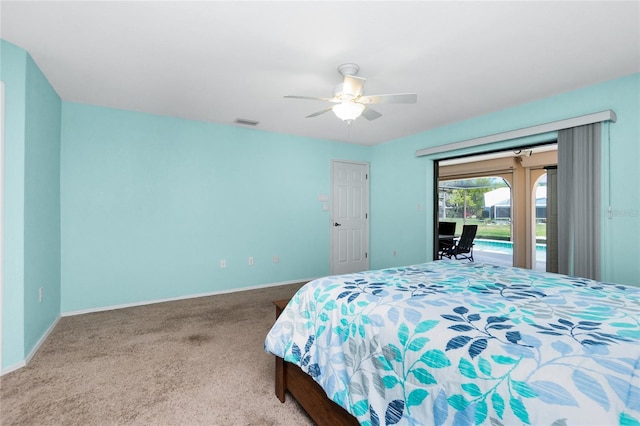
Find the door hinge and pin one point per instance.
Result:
(366, 215)
(366, 176)
(366, 255)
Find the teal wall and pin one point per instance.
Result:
(13, 73)
(401, 181)
(31, 244)
(41, 206)
(151, 204)
(106, 207)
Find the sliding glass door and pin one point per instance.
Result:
(505, 195)
(484, 201)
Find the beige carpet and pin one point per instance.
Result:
(190, 362)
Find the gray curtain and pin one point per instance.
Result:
(579, 201)
(552, 219)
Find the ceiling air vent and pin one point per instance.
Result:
(246, 122)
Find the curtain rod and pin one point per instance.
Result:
(596, 117)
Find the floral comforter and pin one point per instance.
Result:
(462, 343)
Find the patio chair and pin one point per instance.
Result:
(446, 233)
(464, 246)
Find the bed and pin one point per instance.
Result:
(446, 342)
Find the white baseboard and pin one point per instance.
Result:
(13, 367)
(130, 305)
(172, 299)
(39, 343)
(41, 340)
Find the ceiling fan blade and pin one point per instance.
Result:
(371, 114)
(311, 98)
(353, 85)
(397, 98)
(315, 114)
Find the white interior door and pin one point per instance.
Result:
(349, 217)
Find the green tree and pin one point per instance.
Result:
(471, 189)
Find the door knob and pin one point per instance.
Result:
(337, 224)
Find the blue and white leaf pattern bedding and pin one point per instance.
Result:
(462, 343)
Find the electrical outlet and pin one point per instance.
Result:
(40, 294)
(251, 260)
(223, 263)
(276, 259)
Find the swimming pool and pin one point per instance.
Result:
(505, 247)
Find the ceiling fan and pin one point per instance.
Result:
(349, 99)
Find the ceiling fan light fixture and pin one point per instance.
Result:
(348, 111)
(349, 99)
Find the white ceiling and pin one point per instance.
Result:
(217, 61)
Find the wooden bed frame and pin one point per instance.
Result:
(308, 393)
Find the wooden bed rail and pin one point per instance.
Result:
(306, 391)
